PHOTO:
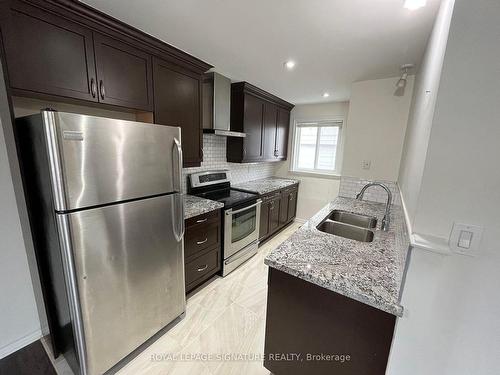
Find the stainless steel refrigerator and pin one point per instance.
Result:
(106, 214)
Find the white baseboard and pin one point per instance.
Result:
(20, 343)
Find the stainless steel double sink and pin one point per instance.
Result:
(349, 225)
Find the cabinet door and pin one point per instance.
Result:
(274, 214)
(270, 118)
(177, 103)
(253, 143)
(282, 126)
(124, 74)
(264, 219)
(283, 216)
(292, 204)
(47, 54)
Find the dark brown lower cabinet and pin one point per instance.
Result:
(312, 330)
(202, 248)
(278, 209)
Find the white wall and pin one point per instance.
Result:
(19, 320)
(452, 319)
(315, 192)
(422, 110)
(377, 123)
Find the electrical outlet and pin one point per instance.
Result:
(465, 239)
(366, 164)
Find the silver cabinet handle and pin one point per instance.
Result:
(93, 87)
(290, 197)
(202, 268)
(202, 242)
(101, 89)
(201, 220)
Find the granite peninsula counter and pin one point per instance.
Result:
(331, 294)
(369, 272)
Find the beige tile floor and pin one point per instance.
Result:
(225, 317)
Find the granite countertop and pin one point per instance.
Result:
(369, 272)
(194, 206)
(266, 185)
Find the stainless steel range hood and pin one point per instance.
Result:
(217, 106)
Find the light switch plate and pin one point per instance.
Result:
(465, 239)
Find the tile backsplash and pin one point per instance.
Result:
(351, 186)
(214, 158)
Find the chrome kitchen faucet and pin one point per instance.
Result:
(387, 219)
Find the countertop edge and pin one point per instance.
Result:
(213, 206)
(396, 310)
(261, 192)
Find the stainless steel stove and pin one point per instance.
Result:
(241, 217)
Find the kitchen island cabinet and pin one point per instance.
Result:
(333, 300)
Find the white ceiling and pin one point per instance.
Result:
(334, 42)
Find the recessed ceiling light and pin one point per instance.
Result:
(414, 4)
(326, 95)
(290, 64)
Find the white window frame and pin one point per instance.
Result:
(295, 147)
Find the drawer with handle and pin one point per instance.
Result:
(201, 237)
(202, 267)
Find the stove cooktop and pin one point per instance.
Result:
(229, 197)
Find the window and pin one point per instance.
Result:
(316, 146)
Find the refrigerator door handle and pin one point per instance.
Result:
(178, 217)
(177, 168)
(181, 216)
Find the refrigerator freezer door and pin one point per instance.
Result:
(128, 272)
(96, 160)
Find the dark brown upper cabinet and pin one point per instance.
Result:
(265, 120)
(269, 133)
(124, 74)
(46, 54)
(177, 95)
(67, 51)
(282, 127)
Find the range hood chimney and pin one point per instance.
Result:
(217, 105)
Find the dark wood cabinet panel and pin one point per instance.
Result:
(124, 74)
(274, 212)
(177, 95)
(278, 209)
(305, 318)
(264, 118)
(202, 248)
(253, 143)
(202, 268)
(201, 237)
(269, 215)
(292, 204)
(283, 216)
(46, 54)
(264, 220)
(282, 129)
(288, 205)
(269, 130)
(67, 51)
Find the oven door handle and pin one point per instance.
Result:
(231, 212)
